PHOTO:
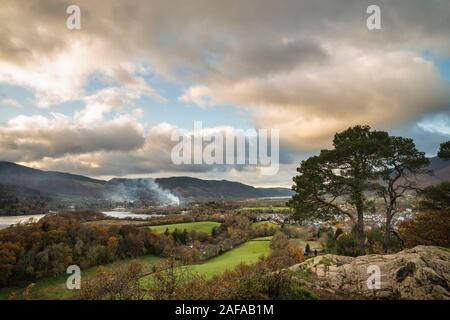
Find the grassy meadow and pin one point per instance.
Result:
(270, 224)
(248, 252)
(55, 288)
(302, 243)
(201, 226)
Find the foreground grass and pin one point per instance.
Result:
(55, 288)
(201, 226)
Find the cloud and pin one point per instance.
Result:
(426, 134)
(309, 104)
(310, 68)
(201, 41)
(120, 147)
(39, 53)
(107, 100)
(54, 77)
(33, 138)
(439, 123)
(10, 102)
(202, 96)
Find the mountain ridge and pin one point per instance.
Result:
(64, 184)
(68, 184)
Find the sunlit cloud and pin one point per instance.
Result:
(10, 102)
(309, 68)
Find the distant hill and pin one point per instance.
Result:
(66, 185)
(188, 187)
(16, 200)
(51, 182)
(441, 172)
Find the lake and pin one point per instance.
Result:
(5, 222)
(128, 215)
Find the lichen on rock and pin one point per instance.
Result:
(422, 272)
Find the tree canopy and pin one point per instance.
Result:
(334, 183)
(342, 181)
(444, 151)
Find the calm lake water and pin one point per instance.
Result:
(5, 222)
(128, 215)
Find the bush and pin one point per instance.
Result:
(429, 228)
(283, 286)
(246, 282)
(345, 244)
(122, 284)
(376, 243)
(295, 292)
(436, 197)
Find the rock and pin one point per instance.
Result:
(422, 272)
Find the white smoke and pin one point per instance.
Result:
(121, 193)
(132, 190)
(165, 197)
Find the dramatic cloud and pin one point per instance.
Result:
(33, 138)
(309, 68)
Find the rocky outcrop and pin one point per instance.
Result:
(419, 273)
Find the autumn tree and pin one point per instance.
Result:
(8, 258)
(167, 278)
(436, 197)
(444, 151)
(430, 227)
(121, 284)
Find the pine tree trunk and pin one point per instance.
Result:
(387, 231)
(360, 234)
(360, 227)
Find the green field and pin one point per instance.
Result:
(248, 252)
(302, 243)
(55, 288)
(202, 226)
(268, 223)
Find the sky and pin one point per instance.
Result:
(104, 100)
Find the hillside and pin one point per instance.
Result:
(441, 172)
(16, 200)
(57, 183)
(168, 190)
(188, 187)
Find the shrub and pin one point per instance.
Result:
(122, 284)
(346, 245)
(429, 228)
